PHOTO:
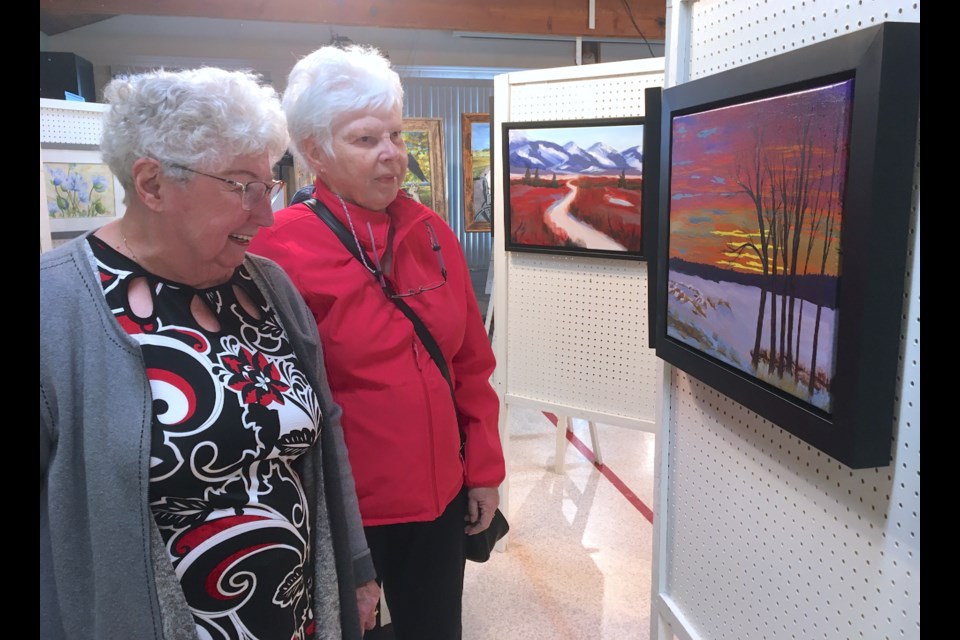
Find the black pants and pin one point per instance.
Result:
(420, 565)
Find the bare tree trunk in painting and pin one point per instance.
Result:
(816, 218)
(799, 213)
(775, 224)
(783, 242)
(831, 220)
(751, 182)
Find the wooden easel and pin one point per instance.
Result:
(565, 424)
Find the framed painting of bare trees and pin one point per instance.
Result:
(785, 196)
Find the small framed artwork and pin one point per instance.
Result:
(425, 181)
(81, 192)
(785, 198)
(574, 187)
(477, 192)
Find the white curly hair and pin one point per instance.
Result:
(198, 118)
(332, 82)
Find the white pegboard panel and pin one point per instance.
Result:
(769, 538)
(730, 33)
(549, 95)
(576, 328)
(578, 334)
(762, 535)
(73, 123)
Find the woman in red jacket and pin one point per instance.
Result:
(418, 490)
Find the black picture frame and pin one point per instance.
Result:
(883, 63)
(652, 99)
(610, 178)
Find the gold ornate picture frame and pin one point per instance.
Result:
(477, 182)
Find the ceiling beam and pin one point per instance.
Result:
(614, 18)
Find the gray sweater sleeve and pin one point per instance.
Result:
(362, 560)
(305, 332)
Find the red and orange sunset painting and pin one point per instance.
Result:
(756, 209)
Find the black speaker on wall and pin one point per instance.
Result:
(62, 72)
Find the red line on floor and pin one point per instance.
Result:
(631, 497)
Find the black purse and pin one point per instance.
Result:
(477, 547)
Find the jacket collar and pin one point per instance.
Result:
(403, 214)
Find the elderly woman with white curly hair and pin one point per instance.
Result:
(193, 475)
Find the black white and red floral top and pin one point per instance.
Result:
(232, 410)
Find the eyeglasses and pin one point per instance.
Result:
(377, 269)
(435, 245)
(251, 193)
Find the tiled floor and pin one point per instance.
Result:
(577, 563)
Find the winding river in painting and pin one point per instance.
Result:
(580, 233)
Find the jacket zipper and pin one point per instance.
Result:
(432, 445)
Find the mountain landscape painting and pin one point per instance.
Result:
(575, 187)
(756, 210)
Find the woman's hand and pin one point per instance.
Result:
(481, 503)
(368, 597)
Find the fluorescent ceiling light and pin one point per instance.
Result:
(558, 38)
(474, 73)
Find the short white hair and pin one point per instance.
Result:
(199, 118)
(332, 82)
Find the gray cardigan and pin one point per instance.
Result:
(104, 573)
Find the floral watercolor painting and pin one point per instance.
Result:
(79, 190)
(756, 210)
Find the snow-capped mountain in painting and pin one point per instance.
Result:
(598, 159)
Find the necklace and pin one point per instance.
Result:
(376, 272)
(353, 231)
(127, 245)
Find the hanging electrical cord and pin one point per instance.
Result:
(637, 27)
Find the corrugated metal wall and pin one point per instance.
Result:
(447, 98)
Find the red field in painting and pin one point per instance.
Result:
(528, 224)
(611, 209)
(611, 205)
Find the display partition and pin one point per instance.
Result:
(758, 534)
(571, 331)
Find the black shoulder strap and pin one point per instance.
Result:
(423, 333)
(335, 225)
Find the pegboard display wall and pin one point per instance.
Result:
(607, 97)
(730, 33)
(578, 334)
(70, 123)
(763, 535)
(577, 327)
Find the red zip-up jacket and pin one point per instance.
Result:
(399, 421)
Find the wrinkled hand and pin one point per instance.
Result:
(481, 503)
(368, 597)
